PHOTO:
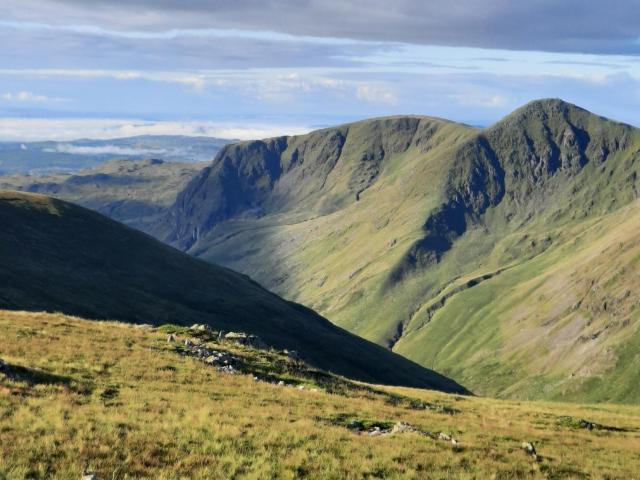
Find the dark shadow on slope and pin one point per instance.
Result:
(475, 183)
(55, 256)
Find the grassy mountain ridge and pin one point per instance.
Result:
(134, 192)
(415, 232)
(55, 256)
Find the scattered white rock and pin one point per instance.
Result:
(402, 427)
(200, 327)
(227, 369)
(530, 450)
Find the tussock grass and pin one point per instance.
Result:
(152, 413)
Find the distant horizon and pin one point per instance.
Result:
(70, 129)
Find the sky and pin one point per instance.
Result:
(252, 69)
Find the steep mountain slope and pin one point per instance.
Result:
(55, 256)
(134, 192)
(437, 240)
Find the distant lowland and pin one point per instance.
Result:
(70, 156)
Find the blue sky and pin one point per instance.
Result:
(249, 68)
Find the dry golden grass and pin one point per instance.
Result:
(116, 399)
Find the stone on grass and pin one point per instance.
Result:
(403, 427)
(529, 449)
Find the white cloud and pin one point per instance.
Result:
(177, 33)
(29, 97)
(105, 150)
(376, 93)
(193, 80)
(482, 100)
(35, 129)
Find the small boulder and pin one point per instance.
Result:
(587, 424)
(200, 327)
(171, 338)
(529, 449)
(355, 425)
(227, 369)
(89, 476)
(237, 337)
(403, 427)
(444, 437)
(292, 354)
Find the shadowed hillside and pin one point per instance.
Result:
(55, 256)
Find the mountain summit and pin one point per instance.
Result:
(496, 255)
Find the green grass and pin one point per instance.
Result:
(144, 411)
(58, 257)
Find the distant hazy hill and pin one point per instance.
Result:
(134, 192)
(505, 257)
(55, 256)
(56, 157)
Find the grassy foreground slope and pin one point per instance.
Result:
(55, 256)
(504, 257)
(119, 401)
(134, 192)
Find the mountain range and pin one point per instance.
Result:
(504, 257)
